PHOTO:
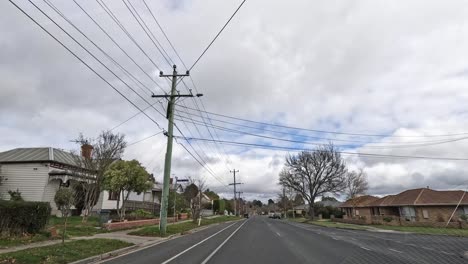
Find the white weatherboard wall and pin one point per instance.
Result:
(106, 203)
(29, 178)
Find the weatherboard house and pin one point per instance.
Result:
(37, 173)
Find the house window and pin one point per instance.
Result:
(465, 209)
(357, 212)
(425, 214)
(113, 196)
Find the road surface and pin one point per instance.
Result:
(263, 240)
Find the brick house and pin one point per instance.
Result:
(415, 206)
(422, 205)
(358, 208)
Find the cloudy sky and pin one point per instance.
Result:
(396, 69)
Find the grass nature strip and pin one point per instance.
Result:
(181, 227)
(63, 253)
(410, 229)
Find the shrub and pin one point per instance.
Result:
(140, 214)
(15, 195)
(387, 219)
(19, 217)
(464, 217)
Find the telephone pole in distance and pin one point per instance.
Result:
(235, 193)
(170, 128)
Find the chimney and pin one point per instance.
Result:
(86, 150)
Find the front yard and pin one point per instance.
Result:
(63, 253)
(181, 227)
(75, 228)
(410, 229)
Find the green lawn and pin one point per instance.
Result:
(411, 229)
(75, 228)
(68, 252)
(328, 223)
(181, 227)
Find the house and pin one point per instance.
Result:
(358, 207)
(422, 205)
(37, 173)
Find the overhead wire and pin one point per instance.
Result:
(183, 63)
(217, 35)
(118, 45)
(79, 58)
(234, 143)
(86, 64)
(402, 145)
(331, 132)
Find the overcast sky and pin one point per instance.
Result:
(395, 68)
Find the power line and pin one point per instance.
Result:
(143, 139)
(130, 118)
(118, 45)
(341, 152)
(194, 99)
(87, 65)
(127, 73)
(122, 27)
(76, 56)
(164, 33)
(146, 30)
(217, 35)
(321, 143)
(329, 132)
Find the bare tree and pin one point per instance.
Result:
(356, 184)
(196, 200)
(315, 173)
(96, 157)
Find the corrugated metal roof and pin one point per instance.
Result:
(37, 154)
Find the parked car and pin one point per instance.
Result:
(276, 216)
(246, 215)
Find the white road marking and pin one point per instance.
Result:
(428, 248)
(222, 244)
(176, 256)
(394, 250)
(278, 234)
(368, 249)
(448, 253)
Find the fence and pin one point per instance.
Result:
(399, 221)
(147, 206)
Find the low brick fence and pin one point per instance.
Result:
(133, 224)
(397, 221)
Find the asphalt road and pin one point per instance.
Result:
(263, 240)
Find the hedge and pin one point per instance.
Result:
(19, 217)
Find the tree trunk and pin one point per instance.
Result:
(64, 228)
(119, 213)
(311, 211)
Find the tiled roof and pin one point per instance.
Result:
(422, 196)
(37, 155)
(361, 201)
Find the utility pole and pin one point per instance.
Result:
(170, 127)
(235, 183)
(240, 206)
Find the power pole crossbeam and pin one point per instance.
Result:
(170, 129)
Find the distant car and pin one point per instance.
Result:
(276, 216)
(246, 215)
